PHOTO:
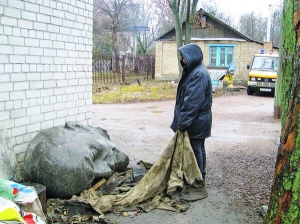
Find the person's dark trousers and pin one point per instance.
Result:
(199, 151)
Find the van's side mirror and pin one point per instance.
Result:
(248, 66)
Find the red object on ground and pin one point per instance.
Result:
(15, 191)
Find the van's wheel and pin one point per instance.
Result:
(249, 91)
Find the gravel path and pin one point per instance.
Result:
(241, 154)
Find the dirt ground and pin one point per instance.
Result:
(241, 154)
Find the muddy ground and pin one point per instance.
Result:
(241, 154)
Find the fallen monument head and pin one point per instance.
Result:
(66, 159)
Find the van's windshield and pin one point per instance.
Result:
(265, 63)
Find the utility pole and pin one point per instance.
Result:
(273, 12)
(269, 24)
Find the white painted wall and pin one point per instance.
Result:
(45, 66)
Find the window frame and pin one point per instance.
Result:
(218, 56)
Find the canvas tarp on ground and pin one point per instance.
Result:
(171, 183)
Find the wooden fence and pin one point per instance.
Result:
(109, 70)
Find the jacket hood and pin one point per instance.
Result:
(192, 54)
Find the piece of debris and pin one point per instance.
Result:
(130, 214)
(113, 182)
(97, 185)
(263, 210)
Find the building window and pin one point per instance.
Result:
(220, 56)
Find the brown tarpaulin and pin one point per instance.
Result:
(170, 184)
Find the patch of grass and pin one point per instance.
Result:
(147, 91)
(157, 111)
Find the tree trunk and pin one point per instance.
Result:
(178, 9)
(177, 15)
(284, 205)
(190, 21)
(187, 24)
(278, 96)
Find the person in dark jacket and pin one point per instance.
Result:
(192, 112)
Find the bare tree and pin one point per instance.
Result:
(213, 8)
(253, 26)
(190, 19)
(146, 41)
(115, 19)
(179, 8)
(110, 20)
(146, 28)
(162, 15)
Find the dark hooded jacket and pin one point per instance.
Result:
(194, 95)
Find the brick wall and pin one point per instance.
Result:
(45, 66)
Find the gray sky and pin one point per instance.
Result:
(238, 7)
